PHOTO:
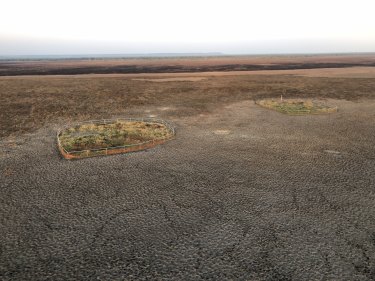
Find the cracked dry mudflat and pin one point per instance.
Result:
(275, 197)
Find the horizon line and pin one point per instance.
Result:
(166, 55)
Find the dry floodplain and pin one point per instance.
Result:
(241, 193)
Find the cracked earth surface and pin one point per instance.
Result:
(242, 193)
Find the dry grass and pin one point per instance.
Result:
(297, 106)
(130, 65)
(27, 104)
(119, 133)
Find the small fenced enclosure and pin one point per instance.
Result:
(112, 136)
(297, 106)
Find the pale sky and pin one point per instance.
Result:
(37, 27)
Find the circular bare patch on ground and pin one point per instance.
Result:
(222, 132)
(332, 151)
(297, 106)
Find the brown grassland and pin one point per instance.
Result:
(182, 64)
(240, 193)
(29, 102)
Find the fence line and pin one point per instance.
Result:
(113, 148)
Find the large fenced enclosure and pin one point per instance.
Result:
(112, 136)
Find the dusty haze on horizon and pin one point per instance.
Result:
(44, 27)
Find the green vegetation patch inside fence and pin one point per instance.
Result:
(297, 107)
(94, 138)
